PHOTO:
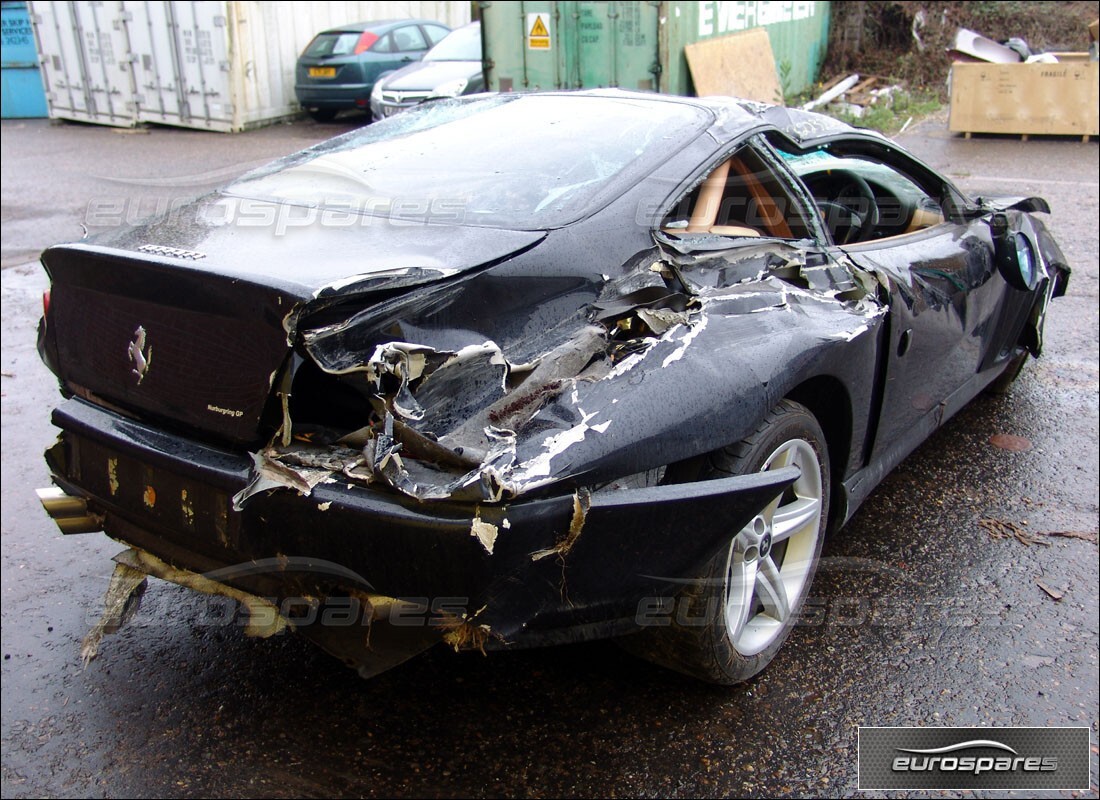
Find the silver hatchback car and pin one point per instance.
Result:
(450, 69)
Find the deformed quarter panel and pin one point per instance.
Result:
(694, 351)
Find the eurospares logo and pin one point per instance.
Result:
(974, 758)
(949, 759)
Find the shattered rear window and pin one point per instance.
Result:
(523, 162)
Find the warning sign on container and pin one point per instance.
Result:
(538, 31)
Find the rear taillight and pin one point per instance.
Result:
(365, 42)
(45, 304)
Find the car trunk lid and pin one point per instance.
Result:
(198, 338)
(163, 339)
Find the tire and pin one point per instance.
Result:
(323, 114)
(1003, 382)
(729, 625)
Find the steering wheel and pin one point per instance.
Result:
(851, 210)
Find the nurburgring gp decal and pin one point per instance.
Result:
(974, 758)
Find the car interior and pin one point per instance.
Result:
(740, 197)
(859, 199)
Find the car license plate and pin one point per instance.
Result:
(322, 72)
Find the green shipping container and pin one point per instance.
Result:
(570, 44)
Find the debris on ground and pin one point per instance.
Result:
(853, 95)
(1002, 529)
(1088, 536)
(831, 90)
(972, 46)
(1010, 442)
(1055, 594)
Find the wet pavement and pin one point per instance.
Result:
(920, 614)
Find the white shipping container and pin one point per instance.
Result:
(182, 65)
(84, 52)
(222, 66)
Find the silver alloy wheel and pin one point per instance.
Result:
(769, 560)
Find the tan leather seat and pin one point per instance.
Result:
(712, 193)
(734, 230)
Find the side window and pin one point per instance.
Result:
(383, 45)
(861, 198)
(408, 38)
(741, 196)
(435, 33)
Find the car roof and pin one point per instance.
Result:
(378, 25)
(733, 114)
(737, 116)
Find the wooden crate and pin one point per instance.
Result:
(1053, 99)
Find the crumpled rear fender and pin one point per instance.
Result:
(534, 571)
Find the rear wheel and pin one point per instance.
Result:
(730, 624)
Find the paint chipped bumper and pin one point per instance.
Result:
(536, 571)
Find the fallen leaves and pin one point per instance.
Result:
(1088, 536)
(1002, 529)
(1010, 442)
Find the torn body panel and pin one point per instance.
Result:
(366, 637)
(473, 425)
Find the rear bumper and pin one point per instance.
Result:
(346, 95)
(537, 578)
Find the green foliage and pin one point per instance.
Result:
(889, 115)
(784, 70)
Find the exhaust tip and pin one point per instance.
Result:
(70, 513)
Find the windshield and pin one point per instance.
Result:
(525, 162)
(461, 45)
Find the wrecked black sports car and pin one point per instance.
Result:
(523, 369)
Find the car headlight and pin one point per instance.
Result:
(1025, 260)
(1015, 253)
(450, 88)
(376, 92)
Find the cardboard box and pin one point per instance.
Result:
(1026, 98)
